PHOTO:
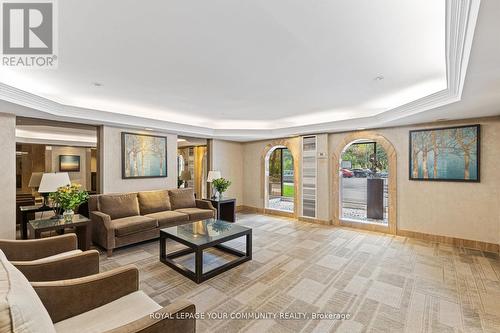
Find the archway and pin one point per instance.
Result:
(280, 178)
(280, 183)
(352, 211)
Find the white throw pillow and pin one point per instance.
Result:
(28, 315)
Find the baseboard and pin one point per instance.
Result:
(314, 220)
(458, 242)
(240, 208)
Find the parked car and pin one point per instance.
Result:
(346, 173)
(288, 176)
(360, 173)
(383, 174)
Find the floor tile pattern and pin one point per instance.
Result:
(386, 283)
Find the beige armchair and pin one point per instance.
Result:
(52, 258)
(111, 302)
(106, 302)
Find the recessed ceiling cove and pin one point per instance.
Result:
(250, 68)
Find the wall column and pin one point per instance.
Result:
(8, 176)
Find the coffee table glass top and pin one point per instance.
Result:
(57, 222)
(205, 231)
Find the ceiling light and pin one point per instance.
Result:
(181, 140)
(148, 129)
(379, 78)
(97, 84)
(361, 128)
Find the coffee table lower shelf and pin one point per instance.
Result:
(198, 275)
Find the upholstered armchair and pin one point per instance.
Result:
(108, 302)
(111, 302)
(52, 258)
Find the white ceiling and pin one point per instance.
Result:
(257, 69)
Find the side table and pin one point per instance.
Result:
(226, 209)
(79, 222)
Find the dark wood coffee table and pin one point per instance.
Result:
(199, 236)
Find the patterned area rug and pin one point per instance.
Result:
(380, 282)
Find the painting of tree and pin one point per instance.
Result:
(449, 154)
(143, 156)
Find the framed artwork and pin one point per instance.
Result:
(445, 154)
(69, 163)
(143, 156)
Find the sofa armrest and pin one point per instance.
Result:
(101, 218)
(204, 204)
(102, 231)
(175, 317)
(68, 298)
(71, 267)
(32, 249)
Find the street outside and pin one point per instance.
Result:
(354, 199)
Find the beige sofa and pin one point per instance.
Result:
(128, 218)
(107, 302)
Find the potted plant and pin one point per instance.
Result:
(67, 198)
(221, 185)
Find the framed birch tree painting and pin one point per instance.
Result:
(445, 154)
(143, 156)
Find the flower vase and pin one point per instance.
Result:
(68, 215)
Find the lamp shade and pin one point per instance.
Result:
(185, 175)
(52, 181)
(35, 179)
(212, 175)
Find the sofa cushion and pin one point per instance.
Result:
(169, 218)
(132, 224)
(197, 214)
(112, 315)
(119, 205)
(182, 198)
(153, 201)
(21, 310)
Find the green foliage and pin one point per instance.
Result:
(221, 184)
(288, 190)
(361, 153)
(69, 197)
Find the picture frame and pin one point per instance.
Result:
(445, 154)
(69, 163)
(143, 156)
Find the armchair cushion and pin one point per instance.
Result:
(120, 312)
(119, 205)
(27, 313)
(197, 214)
(153, 201)
(169, 218)
(132, 224)
(182, 198)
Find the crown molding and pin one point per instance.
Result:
(461, 18)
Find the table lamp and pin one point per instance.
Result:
(185, 176)
(50, 182)
(212, 175)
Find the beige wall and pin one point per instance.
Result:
(227, 157)
(8, 176)
(455, 209)
(52, 156)
(111, 163)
